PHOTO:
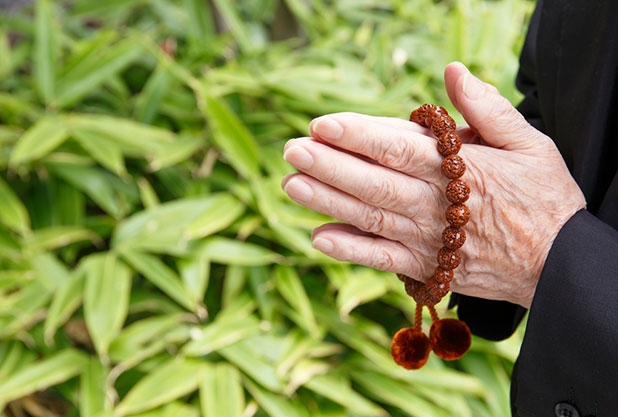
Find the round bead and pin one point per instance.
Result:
(442, 124)
(442, 276)
(403, 278)
(448, 259)
(457, 191)
(453, 237)
(449, 143)
(438, 290)
(437, 112)
(420, 115)
(419, 292)
(457, 215)
(453, 166)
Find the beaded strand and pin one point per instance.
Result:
(448, 338)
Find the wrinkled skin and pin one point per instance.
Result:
(381, 177)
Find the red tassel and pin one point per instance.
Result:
(450, 338)
(410, 348)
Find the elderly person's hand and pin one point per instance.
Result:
(382, 177)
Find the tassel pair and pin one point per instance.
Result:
(448, 338)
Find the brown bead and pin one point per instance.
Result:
(442, 124)
(437, 112)
(453, 166)
(403, 278)
(457, 191)
(442, 276)
(420, 115)
(457, 215)
(439, 290)
(419, 292)
(453, 237)
(448, 259)
(449, 143)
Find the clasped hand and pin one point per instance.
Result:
(381, 177)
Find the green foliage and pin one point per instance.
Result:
(150, 264)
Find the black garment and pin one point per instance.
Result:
(569, 75)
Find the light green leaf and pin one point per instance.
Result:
(92, 389)
(337, 388)
(222, 332)
(101, 150)
(233, 137)
(43, 374)
(275, 405)
(221, 392)
(363, 287)
(66, 300)
(172, 380)
(224, 210)
(45, 49)
(162, 228)
(253, 365)
(233, 252)
(13, 213)
(291, 288)
(56, 237)
(106, 298)
(88, 75)
(162, 276)
(47, 134)
(195, 274)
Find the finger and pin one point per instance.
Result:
(373, 184)
(384, 140)
(327, 200)
(375, 252)
(451, 73)
(496, 120)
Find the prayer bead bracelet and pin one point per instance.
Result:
(448, 338)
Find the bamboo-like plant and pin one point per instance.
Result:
(150, 264)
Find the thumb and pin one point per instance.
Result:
(491, 115)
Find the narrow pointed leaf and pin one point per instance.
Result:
(106, 298)
(48, 133)
(13, 213)
(221, 392)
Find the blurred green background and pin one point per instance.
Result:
(149, 262)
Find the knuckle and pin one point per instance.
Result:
(374, 220)
(380, 190)
(396, 154)
(382, 259)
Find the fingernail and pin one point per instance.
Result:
(323, 245)
(299, 190)
(327, 128)
(298, 157)
(472, 87)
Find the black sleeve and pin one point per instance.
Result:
(572, 332)
(490, 319)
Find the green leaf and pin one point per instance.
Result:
(365, 286)
(101, 150)
(233, 137)
(88, 75)
(221, 392)
(106, 298)
(43, 374)
(233, 252)
(337, 388)
(222, 332)
(289, 285)
(66, 300)
(275, 405)
(164, 228)
(45, 49)
(57, 237)
(162, 276)
(47, 134)
(253, 365)
(169, 381)
(195, 273)
(13, 213)
(224, 210)
(92, 389)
